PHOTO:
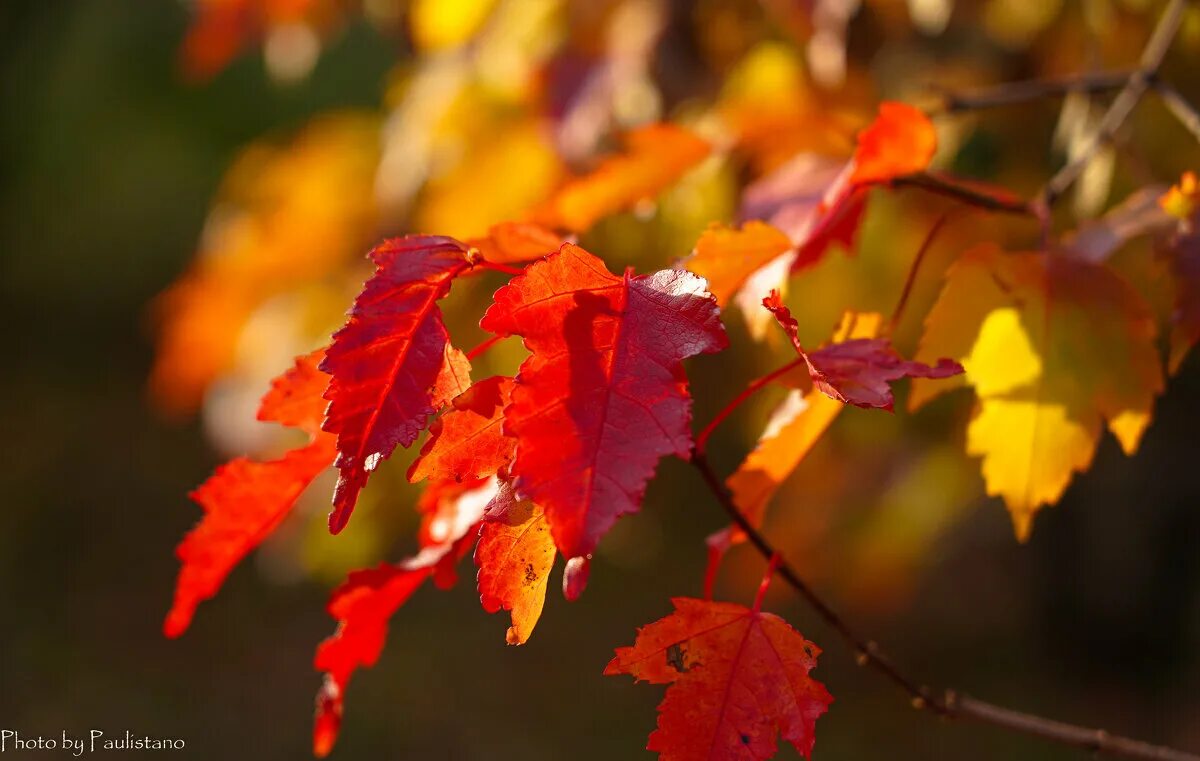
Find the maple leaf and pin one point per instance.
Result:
(1053, 347)
(515, 554)
(468, 442)
(816, 202)
(244, 501)
(727, 256)
(603, 395)
(900, 141)
(737, 676)
(857, 371)
(392, 364)
(655, 157)
(510, 242)
(368, 599)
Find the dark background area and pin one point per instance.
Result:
(107, 164)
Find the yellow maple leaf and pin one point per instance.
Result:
(1054, 347)
(287, 215)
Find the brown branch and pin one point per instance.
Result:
(911, 279)
(1122, 106)
(1011, 93)
(1179, 107)
(948, 703)
(964, 193)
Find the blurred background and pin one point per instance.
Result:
(185, 195)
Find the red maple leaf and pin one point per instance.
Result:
(392, 364)
(467, 442)
(244, 501)
(603, 395)
(738, 677)
(857, 371)
(900, 141)
(365, 602)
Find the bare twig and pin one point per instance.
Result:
(749, 391)
(964, 193)
(911, 280)
(1011, 93)
(948, 703)
(1179, 107)
(1136, 85)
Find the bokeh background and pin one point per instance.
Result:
(118, 163)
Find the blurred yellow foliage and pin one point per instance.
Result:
(287, 215)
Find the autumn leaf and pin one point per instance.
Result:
(467, 441)
(727, 256)
(900, 141)
(857, 371)
(368, 599)
(515, 554)
(603, 395)
(391, 363)
(655, 157)
(1053, 346)
(737, 676)
(510, 242)
(1180, 200)
(244, 501)
(816, 202)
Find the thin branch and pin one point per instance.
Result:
(965, 193)
(1179, 107)
(750, 390)
(1122, 106)
(948, 703)
(867, 652)
(1011, 93)
(483, 346)
(485, 265)
(911, 280)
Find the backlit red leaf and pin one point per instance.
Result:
(857, 371)
(467, 441)
(603, 395)
(738, 677)
(391, 362)
(244, 501)
(900, 141)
